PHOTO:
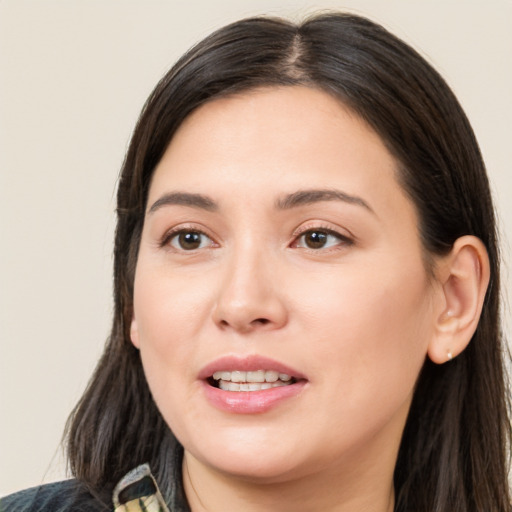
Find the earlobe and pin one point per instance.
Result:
(464, 277)
(134, 333)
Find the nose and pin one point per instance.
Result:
(250, 296)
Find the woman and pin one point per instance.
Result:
(306, 290)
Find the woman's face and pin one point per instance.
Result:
(278, 241)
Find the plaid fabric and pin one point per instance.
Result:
(138, 492)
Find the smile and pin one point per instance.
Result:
(251, 384)
(251, 380)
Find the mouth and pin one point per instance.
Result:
(249, 381)
(250, 384)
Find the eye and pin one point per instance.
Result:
(188, 240)
(320, 239)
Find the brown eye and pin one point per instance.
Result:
(189, 240)
(315, 239)
(320, 239)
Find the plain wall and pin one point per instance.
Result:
(73, 78)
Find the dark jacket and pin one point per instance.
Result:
(138, 490)
(56, 497)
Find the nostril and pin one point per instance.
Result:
(261, 321)
(245, 327)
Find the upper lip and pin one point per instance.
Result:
(247, 363)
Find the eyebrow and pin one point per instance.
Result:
(185, 199)
(293, 200)
(305, 197)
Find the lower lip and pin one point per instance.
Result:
(251, 402)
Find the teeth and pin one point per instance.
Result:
(258, 376)
(238, 376)
(271, 376)
(249, 386)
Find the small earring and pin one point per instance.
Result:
(449, 355)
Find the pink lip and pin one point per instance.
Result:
(249, 402)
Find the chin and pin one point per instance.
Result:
(262, 472)
(258, 461)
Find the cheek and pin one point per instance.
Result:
(167, 352)
(169, 312)
(371, 331)
(358, 300)
(167, 307)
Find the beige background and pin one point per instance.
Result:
(73, 77)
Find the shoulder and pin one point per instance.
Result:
(68, 495)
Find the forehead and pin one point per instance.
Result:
(282, 118)
(276, 140)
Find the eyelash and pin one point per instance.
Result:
(343, 240)
(174, 233)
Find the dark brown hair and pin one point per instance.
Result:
(453, 453)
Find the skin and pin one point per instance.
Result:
(356, 316)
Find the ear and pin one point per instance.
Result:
(463, 276)
(134, 333)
